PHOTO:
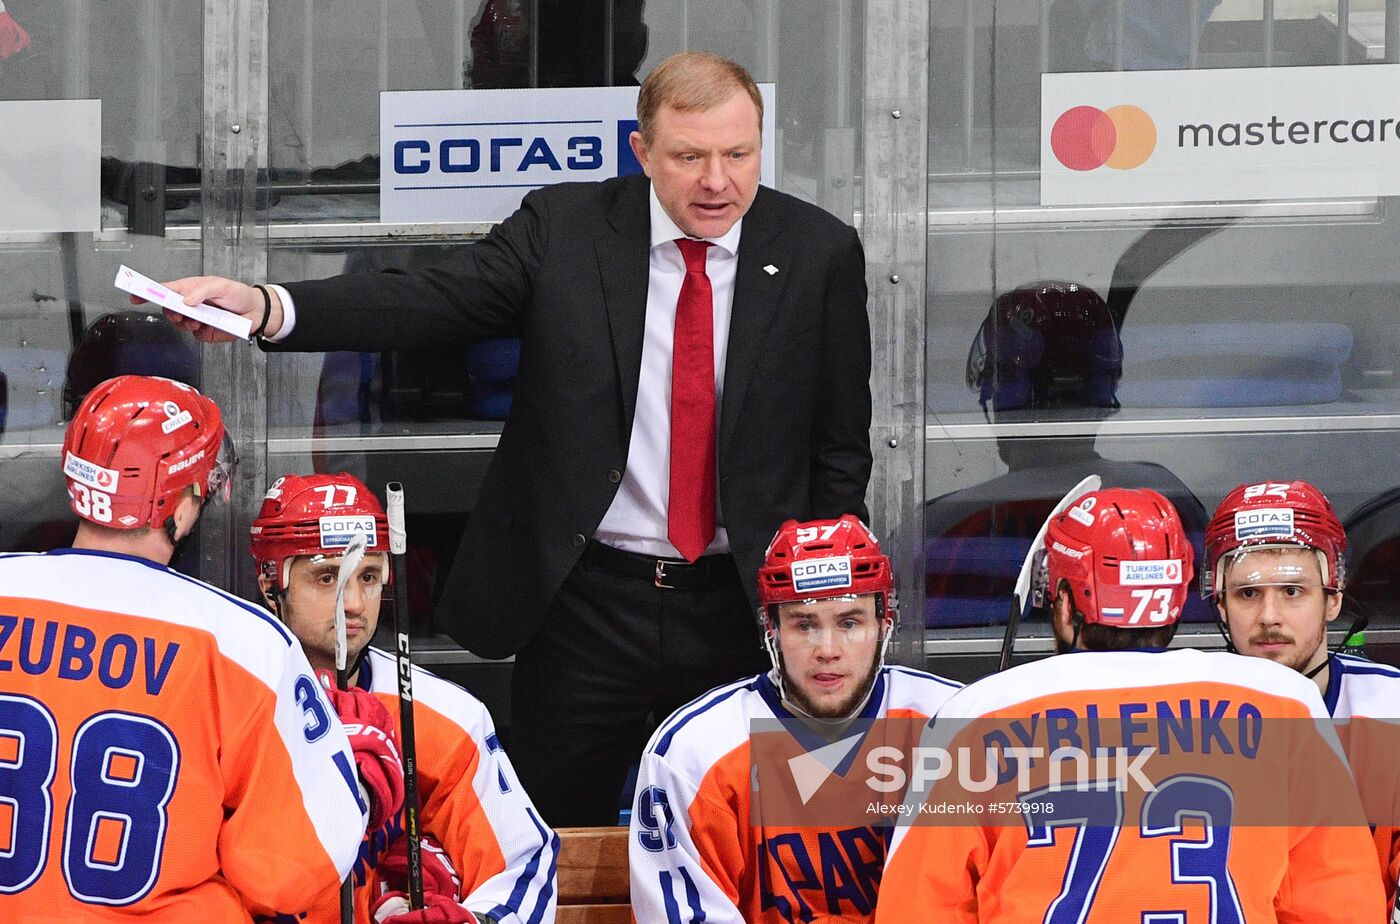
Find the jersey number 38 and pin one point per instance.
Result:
(123, 770)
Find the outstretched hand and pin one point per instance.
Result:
(228, 294)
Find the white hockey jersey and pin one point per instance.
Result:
(705, 845)
(1364, 700)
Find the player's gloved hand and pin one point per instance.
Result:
(370, 729)
(393, 909)
(439, 875)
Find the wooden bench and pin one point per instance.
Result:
(593, 878)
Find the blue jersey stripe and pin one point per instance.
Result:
(923, 675)
(1354, 665)
(548, 841)
(257, 611)
(547, 888)
(719, 696)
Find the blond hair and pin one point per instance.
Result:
(693, 81)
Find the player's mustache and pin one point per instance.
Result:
(1272, 638)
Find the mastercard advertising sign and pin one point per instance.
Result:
(1153, 137)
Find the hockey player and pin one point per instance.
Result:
(710, 844)
(1276, 571)
(1099, 847)
(165, 752)
(491, 857)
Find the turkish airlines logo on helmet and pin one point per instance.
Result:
(336, 532)
(94, 476)
(1264, 523)
(1149, 573)
(821, 573)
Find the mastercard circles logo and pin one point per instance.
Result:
(1086, 137)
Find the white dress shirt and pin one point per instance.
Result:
(636, 521)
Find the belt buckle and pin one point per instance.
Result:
(660, 578)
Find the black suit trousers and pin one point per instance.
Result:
(617, 655)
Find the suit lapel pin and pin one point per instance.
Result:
(771, 270)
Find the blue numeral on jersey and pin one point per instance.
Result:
(28, 745)
(1098, 816)
(1205, 860)
(124, 772)
(309, 699)
(657, 820)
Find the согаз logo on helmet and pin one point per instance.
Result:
(1086, 137)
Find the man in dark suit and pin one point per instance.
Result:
(694, 371)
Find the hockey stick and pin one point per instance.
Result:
(1023, 579)
(349, 562)
(398, 547)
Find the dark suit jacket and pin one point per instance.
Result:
(568, 272)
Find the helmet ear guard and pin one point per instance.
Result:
(1040, 580)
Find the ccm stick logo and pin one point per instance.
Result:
(1086, 137)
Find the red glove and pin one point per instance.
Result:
(13, 38)
(370, 729)
(440, 910)
(439, 875)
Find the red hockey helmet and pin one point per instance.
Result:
(1125, 556)
(314, 515)
(1273, 514)
(821, 559)
(1045, 345)
(136, 443)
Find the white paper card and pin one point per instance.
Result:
(128, 280)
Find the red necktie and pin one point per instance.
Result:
(690, 513)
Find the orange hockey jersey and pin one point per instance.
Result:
(165, 752)
(1223, 837)
(471, 802)
(709, 843)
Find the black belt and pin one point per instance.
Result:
(671, 573)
